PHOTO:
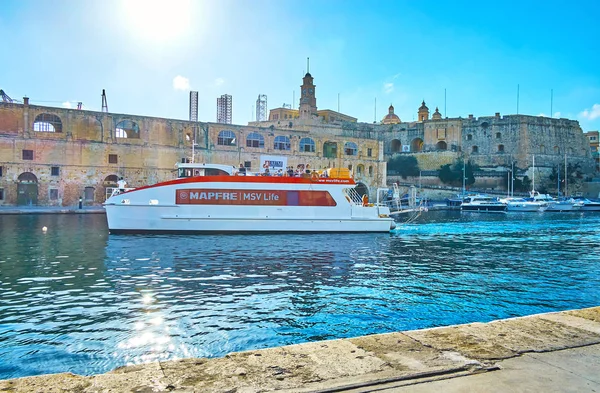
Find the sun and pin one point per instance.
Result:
(157, 20)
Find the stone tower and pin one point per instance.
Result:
(308, 100)
(423, 112)
(436, 115)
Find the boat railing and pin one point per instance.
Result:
(353, 196)
(116, 191)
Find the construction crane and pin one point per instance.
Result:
(5, 97)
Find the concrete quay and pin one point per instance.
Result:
(553, 352)
(51, 210)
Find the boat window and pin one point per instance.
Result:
(215, 172)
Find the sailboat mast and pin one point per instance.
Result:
(565, 175)
(464, 176)
(558, 181)
(533, 176)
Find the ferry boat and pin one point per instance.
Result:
(219, 198)
(482, 203)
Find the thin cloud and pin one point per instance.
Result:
(591, 114)
(67, 105)
(181, 83)
(219, 81)
(388, 87)
(557, 115)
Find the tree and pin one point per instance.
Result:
(453, 173)
(403, 165)
(574, 177)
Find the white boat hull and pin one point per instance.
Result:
(524, 207)
(157, 209)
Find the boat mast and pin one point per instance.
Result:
(533, 176)
(565, 175)
(558, 181)
(464, 176)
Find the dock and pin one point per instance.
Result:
(552, 352)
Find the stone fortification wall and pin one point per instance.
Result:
(492, 141)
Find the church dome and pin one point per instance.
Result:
(391, 117)
(436, 115)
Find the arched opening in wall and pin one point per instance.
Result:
(226, 138)
(371, 171)
(469, 137)
(27, 189)
(307, 145)
(500, 148)
(254, 139)
(441, 145)
(485, 125)
(350, 168)
(360, 169)
(330, 150)
(395, 146)
(571, 151)
(350, 149)
(556, 150)
(474, 150)
(542, 149)
(416, 145)
(110, 184)
(47, 122)
(127, 129)
(281, 142)
(361, 189)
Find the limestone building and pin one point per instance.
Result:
(53, 156)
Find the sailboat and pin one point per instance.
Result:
(565, 204)
(527, 204)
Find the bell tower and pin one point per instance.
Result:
(308, 100)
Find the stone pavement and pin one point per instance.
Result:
(554, 352)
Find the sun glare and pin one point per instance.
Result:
(158, 20)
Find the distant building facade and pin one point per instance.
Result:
(224, 109)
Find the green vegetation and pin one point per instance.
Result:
(574, 178)
(403, 166)
(452, 173)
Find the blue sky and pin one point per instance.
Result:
(149, 54)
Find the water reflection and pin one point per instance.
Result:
(75, 299)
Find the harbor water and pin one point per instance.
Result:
(76, 299)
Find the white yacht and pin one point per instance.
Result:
(525, 205)
(482, 203)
